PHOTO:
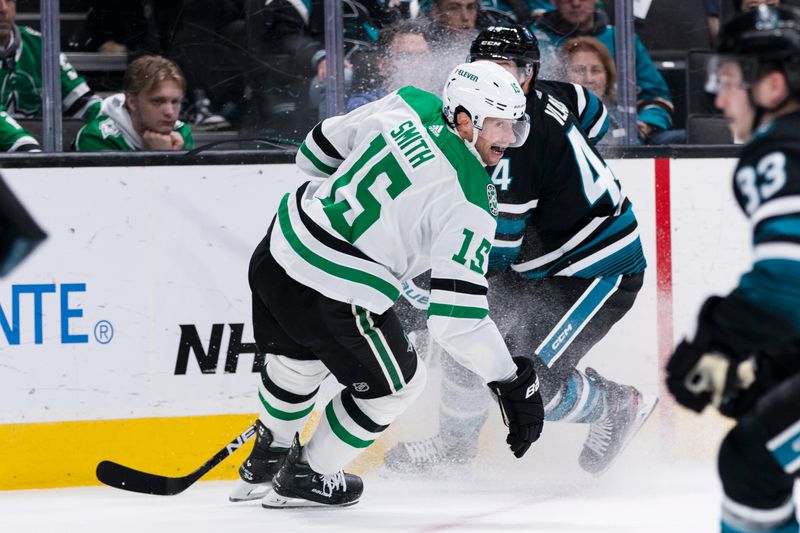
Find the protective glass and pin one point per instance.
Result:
(730, 71)
(506, 132)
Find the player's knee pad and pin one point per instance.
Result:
(384, 409)
(749, 473)
(294, 375)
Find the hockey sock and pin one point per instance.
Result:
(349, 424)
(286, 395)
(578, 400)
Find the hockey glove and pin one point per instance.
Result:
(521, 406)
(697, 378)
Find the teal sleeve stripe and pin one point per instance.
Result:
(322, 167)
(340, 431)
(510, 227)
(457, 311)
(775, 229)
(328, 266)
(767, 286)
(501, 258)
(588, 116)
(284, 415)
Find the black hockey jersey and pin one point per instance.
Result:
(562, 211)
(767, 187)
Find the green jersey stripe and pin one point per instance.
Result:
(340, 431)
(326, 265)
(456, 311)
(284, 415)
(379, 346)
(322, 167)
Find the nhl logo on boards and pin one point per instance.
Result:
(491, 193)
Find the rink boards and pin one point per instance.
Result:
(127, 335)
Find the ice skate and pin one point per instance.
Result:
(626, 411)
(297, 485)
(420, 456)
(255, 474)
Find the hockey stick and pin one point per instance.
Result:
(126, 478)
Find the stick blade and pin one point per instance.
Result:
(121, 477)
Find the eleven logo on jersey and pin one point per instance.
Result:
(491, 193)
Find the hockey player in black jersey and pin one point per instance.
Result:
(567, 264)
(745, 356)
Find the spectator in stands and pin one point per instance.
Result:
(589, 63)
(402, 57)
(13, 138)
(145, 115)
(21, 73)
(135, 27)
(575, 18)
(523, 11)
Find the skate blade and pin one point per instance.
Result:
(646, 407)
(273, 500)
(245, 492)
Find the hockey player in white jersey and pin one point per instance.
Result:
(402, 190)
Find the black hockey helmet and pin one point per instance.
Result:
(514, 43)
(762, 40)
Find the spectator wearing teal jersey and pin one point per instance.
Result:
(575, 18)
(21, 73)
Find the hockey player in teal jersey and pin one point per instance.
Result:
(745, 356)
(21, 73)
(400, 190)
(568, 265)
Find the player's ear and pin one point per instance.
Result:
(464, 125)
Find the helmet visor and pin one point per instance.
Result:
(505, 132)
(730, 71)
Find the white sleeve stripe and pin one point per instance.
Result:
(22, 141)
(517, 209)
(73, 96)
(301, 8)
(788, 205)
(777, 250)
(566, 247)
(497, 243)
(595, 131)
(581, 98)
(759, 515)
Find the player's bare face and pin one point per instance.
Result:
(576, 11)
(497, 134)
(586, 69)
(157, 110)
(733, 100)
(456, 14)
(8, 14)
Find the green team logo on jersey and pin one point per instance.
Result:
(491, 193)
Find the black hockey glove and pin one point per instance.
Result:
(697, 378)
(521, 406)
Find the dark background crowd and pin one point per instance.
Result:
(258, 68)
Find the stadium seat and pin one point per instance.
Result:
(707, 129)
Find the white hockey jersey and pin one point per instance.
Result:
(401, 194)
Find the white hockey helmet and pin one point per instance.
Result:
(485, 90)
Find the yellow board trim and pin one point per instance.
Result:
(65, 454)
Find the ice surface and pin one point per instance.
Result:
(628, 499)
